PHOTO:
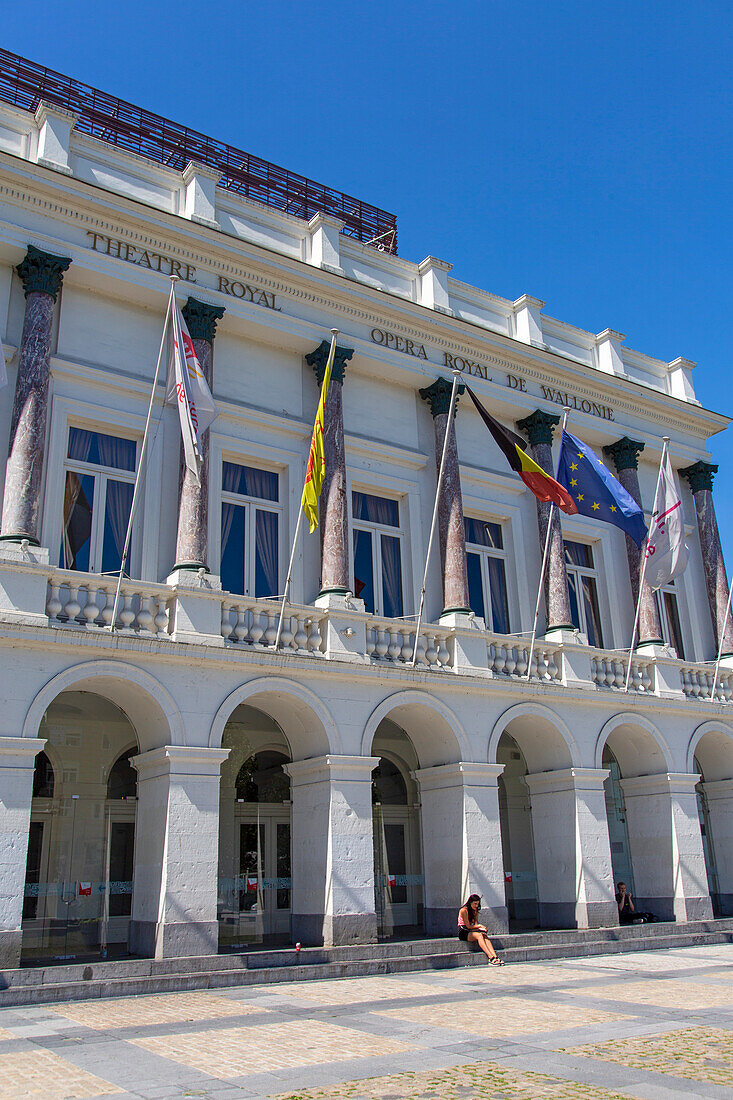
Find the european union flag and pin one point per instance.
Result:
(596, 491)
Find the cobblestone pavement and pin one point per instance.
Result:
(655, 1025)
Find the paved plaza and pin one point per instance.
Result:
(653, 1024)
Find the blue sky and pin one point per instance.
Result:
(576, 151)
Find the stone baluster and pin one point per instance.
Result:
(700, 476)
(334, 524)
(451, 530)
(41, 274)
(193, 503)
(625, 454)
(538, 427)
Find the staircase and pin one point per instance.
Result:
(127, 977)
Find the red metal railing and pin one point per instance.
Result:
(23, 83)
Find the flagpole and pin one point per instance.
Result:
(143, 448)
(449, 425)
(541, 585)
(642, 574)
(334, 334)
(720, 646)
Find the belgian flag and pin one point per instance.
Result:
(544, 487)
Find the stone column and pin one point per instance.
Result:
(177, 853)
(461, 844)
(538, 427)
(572, 849)
(451, 530)
(719, 796)
(193, 506)
(625, 454)
(665, 842)
(41, 275)
(17, 763)
(334, 522)
(333, 853)
(700, 476)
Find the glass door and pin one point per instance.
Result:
(264, 881)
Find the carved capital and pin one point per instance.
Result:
(539, 426)
(700, 475)
(41, 271)
(438, 396)
(625, 453)
(318, 359)
(201, 319)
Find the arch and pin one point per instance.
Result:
(433, 728)
(148, 705)
(544, 738)
(647, 754)
(716, 754)
(302, 716)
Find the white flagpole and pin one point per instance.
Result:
(720, 645)
(541, 585)
(334, 334)
(143, 448)
(642, 572)
(448, 428)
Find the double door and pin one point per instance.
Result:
(397, 881)
(264, 882)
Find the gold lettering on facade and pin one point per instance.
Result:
(514, 382)
(142, 257)
(470, 366)
(571, 401)
(247, 293)
(398, 343)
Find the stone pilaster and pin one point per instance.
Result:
(538, 427)
(193, 501)
(41, 275)
(334, 522)
(625, 454)
(451, 530)
(700, 476)
(17, 763)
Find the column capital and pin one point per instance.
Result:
(172, 760)
(319, 357)
(625, 453)
(201, 319)
(661, 783)
(539, 426)
(700, 475)
(438, 395)
(42, 271)
(332, 767)
(565, 779)
(461, 773)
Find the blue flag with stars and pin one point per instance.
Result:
(596, 491)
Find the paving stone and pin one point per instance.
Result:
(700, 1053)
(39, 1073)
(158, 1009)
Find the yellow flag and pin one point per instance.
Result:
(317, 457)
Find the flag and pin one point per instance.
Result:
(187, 386)
(596, 491)
(544, 487)
(317, 456)
(666, 552)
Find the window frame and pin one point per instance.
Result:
(373, 528)
(591, 573)
(660, 601)
(251, 505)
(485, 552)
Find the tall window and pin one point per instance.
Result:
(100, 476)
(485, 559)
(250, 531)
(669, 617)
(377, 554)
(583, 591)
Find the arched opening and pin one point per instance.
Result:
(713, 762)
(618, 833)
(255, 883)
(79, 872)
(517, 839)
(398, 878)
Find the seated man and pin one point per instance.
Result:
(627, 913)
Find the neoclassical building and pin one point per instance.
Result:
(172, 784)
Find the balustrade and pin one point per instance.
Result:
(87, 601)
(254, 623)
(394, 641)
(609, 671)
(510, 658)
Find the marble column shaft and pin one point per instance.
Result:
(193, 500)
(538, 427)
(333, 504)
(451, 528)
(625, 454)
(41, 275)
(700, 477)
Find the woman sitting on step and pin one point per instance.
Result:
(469, 929)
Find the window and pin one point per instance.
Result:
(250, 531)
(485, 560)
(100, 477)
(377, 554)
(669, 617)
(583, 591)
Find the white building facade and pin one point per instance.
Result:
(178, 786)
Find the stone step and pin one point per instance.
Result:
(146, 976)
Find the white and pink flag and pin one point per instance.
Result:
(666, 551)
(187, 386)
